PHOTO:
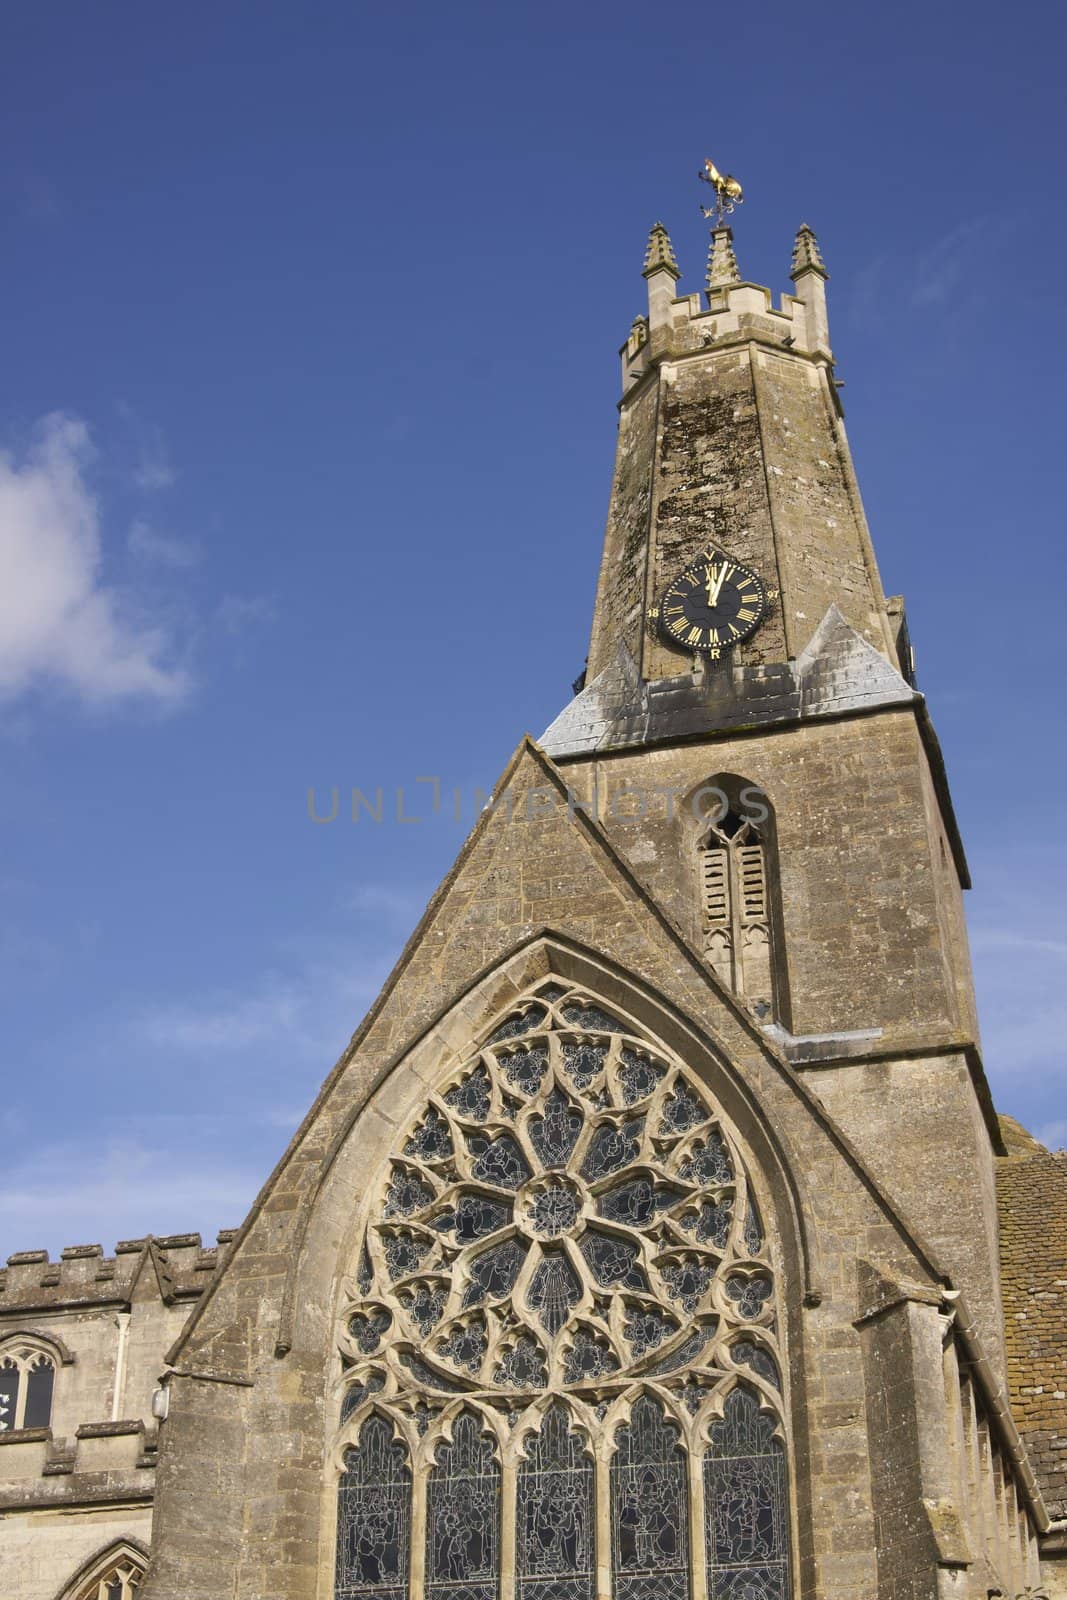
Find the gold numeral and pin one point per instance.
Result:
(744, 615)
(694, 636)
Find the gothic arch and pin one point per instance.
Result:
(544, 953)
(562, 1259)
(731, 841)
(64, 1355)
(29, 1363)
(122, 1563)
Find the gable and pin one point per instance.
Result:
(535, 870)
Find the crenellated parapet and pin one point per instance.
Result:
(729, 310)
(83, 1276)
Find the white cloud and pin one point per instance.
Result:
(236, 612)
(164, 549)
(306, 1018)
(152, 470)
(381, 900)
(1019, 951)
(940, 270)
(222, 1023)
(62, 1194)
(59, 623)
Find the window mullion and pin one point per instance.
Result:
(20, 1396)
(602, 1480)
(734, 889)
(698, 1545)
(508, 1483)
(417, 1570)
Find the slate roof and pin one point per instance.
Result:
(1032, 1202)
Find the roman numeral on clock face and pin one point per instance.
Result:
(711, 606)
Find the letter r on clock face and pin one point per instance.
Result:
(713, 605)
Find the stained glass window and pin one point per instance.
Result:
(463, 1516)
(555, 1288)
(374, 1517)
(555, 1132)
(745, 1505)
(649, 1508)
(567, 1222)
(555, 1535)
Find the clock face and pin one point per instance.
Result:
(713, 605)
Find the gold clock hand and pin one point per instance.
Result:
(713, 597)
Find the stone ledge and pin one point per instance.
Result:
(109, 1430)
(74, 1489)
(25, 1435)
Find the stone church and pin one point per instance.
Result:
(656, 1237)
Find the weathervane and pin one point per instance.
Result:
(727, 193)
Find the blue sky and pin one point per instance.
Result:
(308, 308)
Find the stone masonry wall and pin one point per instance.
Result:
(862, 886)
(256, 1509)
(619, 612)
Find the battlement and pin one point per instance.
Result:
(729, 310)
(84, 1276)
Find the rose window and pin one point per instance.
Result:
(568, 1215)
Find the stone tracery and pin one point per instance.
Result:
(563, 1266)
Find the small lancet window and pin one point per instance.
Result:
(556, 1533)
(463, 1516)
(649, 1508)
(374, 1517)
(27, 1378)
(735, 895)
(746, 1504)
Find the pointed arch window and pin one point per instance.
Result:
(120, 1582)
(562, 1376)
(27, 1381)
(115, 1573)
(649, 1508)
(374, 1517)
(745, 1503)
(555, 1557)
(735, 864)
(463, 1516)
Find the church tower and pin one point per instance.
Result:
(642, 1245)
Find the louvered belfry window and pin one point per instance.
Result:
(736, 915)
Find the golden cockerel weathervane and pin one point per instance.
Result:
(727, 193)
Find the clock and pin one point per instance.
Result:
(712, 606)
